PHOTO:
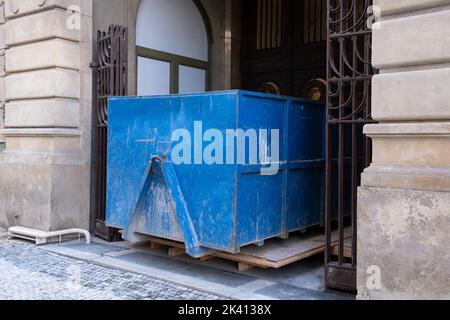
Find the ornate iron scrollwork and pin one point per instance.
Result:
(111, 73)
(349, 60)
(269, 87)
(349, 73)
(316, 90)
(112, 70)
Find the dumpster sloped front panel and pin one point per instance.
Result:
(214, 206)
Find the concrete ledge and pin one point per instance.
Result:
(67, 252)
(24, 158)
(438, 129)
(407, 178)
(389, 7)
(411, 144)
(41, 132)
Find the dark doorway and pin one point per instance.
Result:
(320, 50)
(284, 47)
(111, 79)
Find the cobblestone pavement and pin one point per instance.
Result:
(30, 273)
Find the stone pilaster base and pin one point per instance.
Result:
(47, 90)
(405, 235)
(43, 192)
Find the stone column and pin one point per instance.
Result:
(45, 168)
(404, 201)
(231, 28)
(2, 73)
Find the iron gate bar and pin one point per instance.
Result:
(348, 150)
(111, 75)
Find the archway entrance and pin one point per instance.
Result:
(172, 46)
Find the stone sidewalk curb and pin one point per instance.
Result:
(109, 261)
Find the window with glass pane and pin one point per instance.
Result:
(174, 60)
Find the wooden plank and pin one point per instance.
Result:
(261, 261)
(207, 258)
(347, 249)
(277, 249)
(175, 252)
(276, 253)
(155, 246)
(347, 252)
(243, 267)
(168, 243)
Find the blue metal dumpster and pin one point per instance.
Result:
(230, 201)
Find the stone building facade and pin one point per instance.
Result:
(46, 90)
(404, 201)
(47, 96)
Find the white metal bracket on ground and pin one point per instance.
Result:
(41, 237)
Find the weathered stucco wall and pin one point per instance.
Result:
(45, 168)
(404, 202)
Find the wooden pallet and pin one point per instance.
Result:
(347, 249)
(276, 253)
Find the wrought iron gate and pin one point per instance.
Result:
(349, 73)
(111, 78)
